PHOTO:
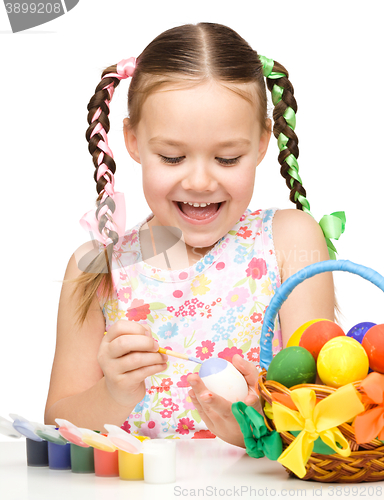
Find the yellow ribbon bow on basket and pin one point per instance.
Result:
(315, 420)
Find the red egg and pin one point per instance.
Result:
(373, 343)
(318, 334)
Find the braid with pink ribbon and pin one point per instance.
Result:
(106, 223)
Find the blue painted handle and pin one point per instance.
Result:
(287, 287)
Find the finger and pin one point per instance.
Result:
(136, 360)
(125, 327)
(137, 376)
(213, 405)
(247, 369)
(200, 410)
(125, 344)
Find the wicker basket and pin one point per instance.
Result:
(366, 461)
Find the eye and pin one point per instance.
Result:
(223, 161)
(229, 161)
(165, 159)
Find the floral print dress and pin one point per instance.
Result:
(213, 308)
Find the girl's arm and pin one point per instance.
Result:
(298, 241)
(96, 378)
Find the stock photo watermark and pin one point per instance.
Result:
(329, 491)
(163, 246)
(29, 14)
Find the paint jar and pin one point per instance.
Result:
(59, 456)
(131, 465)
(159, 461)
(106, 462)
(82, 459)
(37, 453)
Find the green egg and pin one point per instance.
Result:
(292, 366)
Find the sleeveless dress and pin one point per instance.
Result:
(213, 308)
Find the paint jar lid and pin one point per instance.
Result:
(123, 440)
(71, 432)
(51, 434)
(25, 427)
(97, 440)
(7, 429)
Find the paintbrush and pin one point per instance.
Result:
(176, 354)
(179, 355)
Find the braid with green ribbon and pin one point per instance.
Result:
(284, 116)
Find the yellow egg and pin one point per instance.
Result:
(342, 360)
(295, 337)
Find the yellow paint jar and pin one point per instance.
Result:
(131, 465)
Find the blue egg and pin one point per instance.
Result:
(358, 331)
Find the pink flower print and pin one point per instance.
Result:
(126, 427)
(166, 413)
(187, 403)
(203, 434)
(200, 304)
(170, 309)
(175, 407)
(256, 317)
(237, 297)
(150, 429)
(138, 310)
(124, 294)
(244, 232)
(195, 300)
(228, 353)
(254, 354)
(257, 268)
(205, 350)
(166, 402)
(183, 381)
(185, 425)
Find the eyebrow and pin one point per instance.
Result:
(171, 142)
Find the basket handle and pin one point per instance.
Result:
(287, 287)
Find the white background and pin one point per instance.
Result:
(333, 52)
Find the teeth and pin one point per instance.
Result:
(196, 204)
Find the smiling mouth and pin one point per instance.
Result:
(199, 213)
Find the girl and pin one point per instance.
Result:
(197, 274)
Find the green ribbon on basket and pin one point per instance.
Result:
(259, 441)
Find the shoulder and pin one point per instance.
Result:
(298, 238)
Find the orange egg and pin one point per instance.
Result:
(373, 343)
(296, 336)
(318, 334)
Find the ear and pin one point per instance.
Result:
(130, 140)
(264, 141)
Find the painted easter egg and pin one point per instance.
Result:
(222, 378)
(358, 331)
(342, 360)
(373, 343)
(296, 336)
(318, 334)
(292, 366)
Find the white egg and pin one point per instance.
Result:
(222, 378)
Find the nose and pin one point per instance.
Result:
(199, 178)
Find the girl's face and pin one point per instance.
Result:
(198, 145)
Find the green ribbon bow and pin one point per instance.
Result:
(332, 225)
(259, 441)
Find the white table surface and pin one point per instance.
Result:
(205, 468)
